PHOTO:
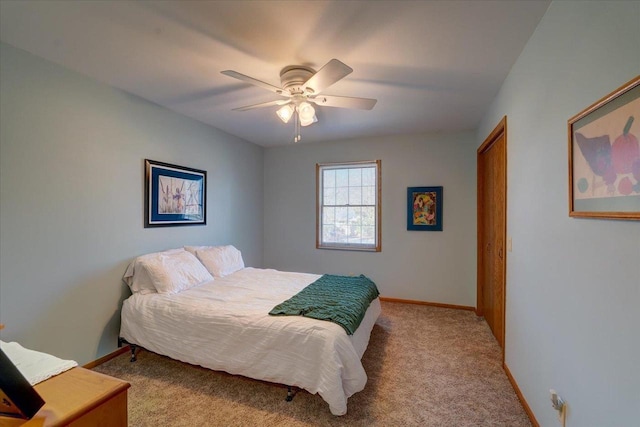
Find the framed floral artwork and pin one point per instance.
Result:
(424, 208)
(174, 195)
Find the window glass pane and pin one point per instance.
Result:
(354, 215)
(340, 233)
(355, 234)
(369, 216)
(368, 195)
(341, 216)
(355, 177)
(342, 177)
(355, 195)
(328, 215)
(342, 195)
(328, 233)
(368, 234)
(329, 178)
(368, 176)
(330, 196)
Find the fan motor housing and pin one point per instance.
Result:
(293, 76)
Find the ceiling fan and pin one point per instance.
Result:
(301, 87)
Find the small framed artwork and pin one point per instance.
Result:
(174, 195)
(424, 208)
(604, 157)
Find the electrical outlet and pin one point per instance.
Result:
(559, 405)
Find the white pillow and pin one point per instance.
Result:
(136, 275)
(221, 260)
(193, 249)
(175, 272)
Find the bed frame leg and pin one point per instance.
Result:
(290, 394)
(132, 347)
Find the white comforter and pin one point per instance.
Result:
(224, 325)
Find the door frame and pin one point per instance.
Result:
(498, 131)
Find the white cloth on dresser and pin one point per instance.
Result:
(34, 365)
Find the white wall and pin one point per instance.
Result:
(573, 285)
(71, 200)
(417, 265)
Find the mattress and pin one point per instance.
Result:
(224, 325)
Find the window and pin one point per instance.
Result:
(348, 206)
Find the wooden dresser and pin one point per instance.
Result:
(78, 397)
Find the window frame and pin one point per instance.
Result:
(377, 246)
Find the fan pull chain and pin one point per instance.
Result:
(296, 136)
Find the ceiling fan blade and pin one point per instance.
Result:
(332, 71)
(255, 82)
(344, 102)
(263, 104)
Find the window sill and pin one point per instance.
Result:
(350, 248)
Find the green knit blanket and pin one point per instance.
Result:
(339, 299)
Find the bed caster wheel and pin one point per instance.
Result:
(133, 353)
(290, 394)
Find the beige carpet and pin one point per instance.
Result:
(427, 366)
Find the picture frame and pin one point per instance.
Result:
(424, 208)
(18, 398)
(604, 156)
(174, 195)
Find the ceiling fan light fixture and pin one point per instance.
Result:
(304, 122)
(306, 112)
(285, 113)
(301, 85)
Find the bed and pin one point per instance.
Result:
(224, 324)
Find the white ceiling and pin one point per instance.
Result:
(434, 66)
